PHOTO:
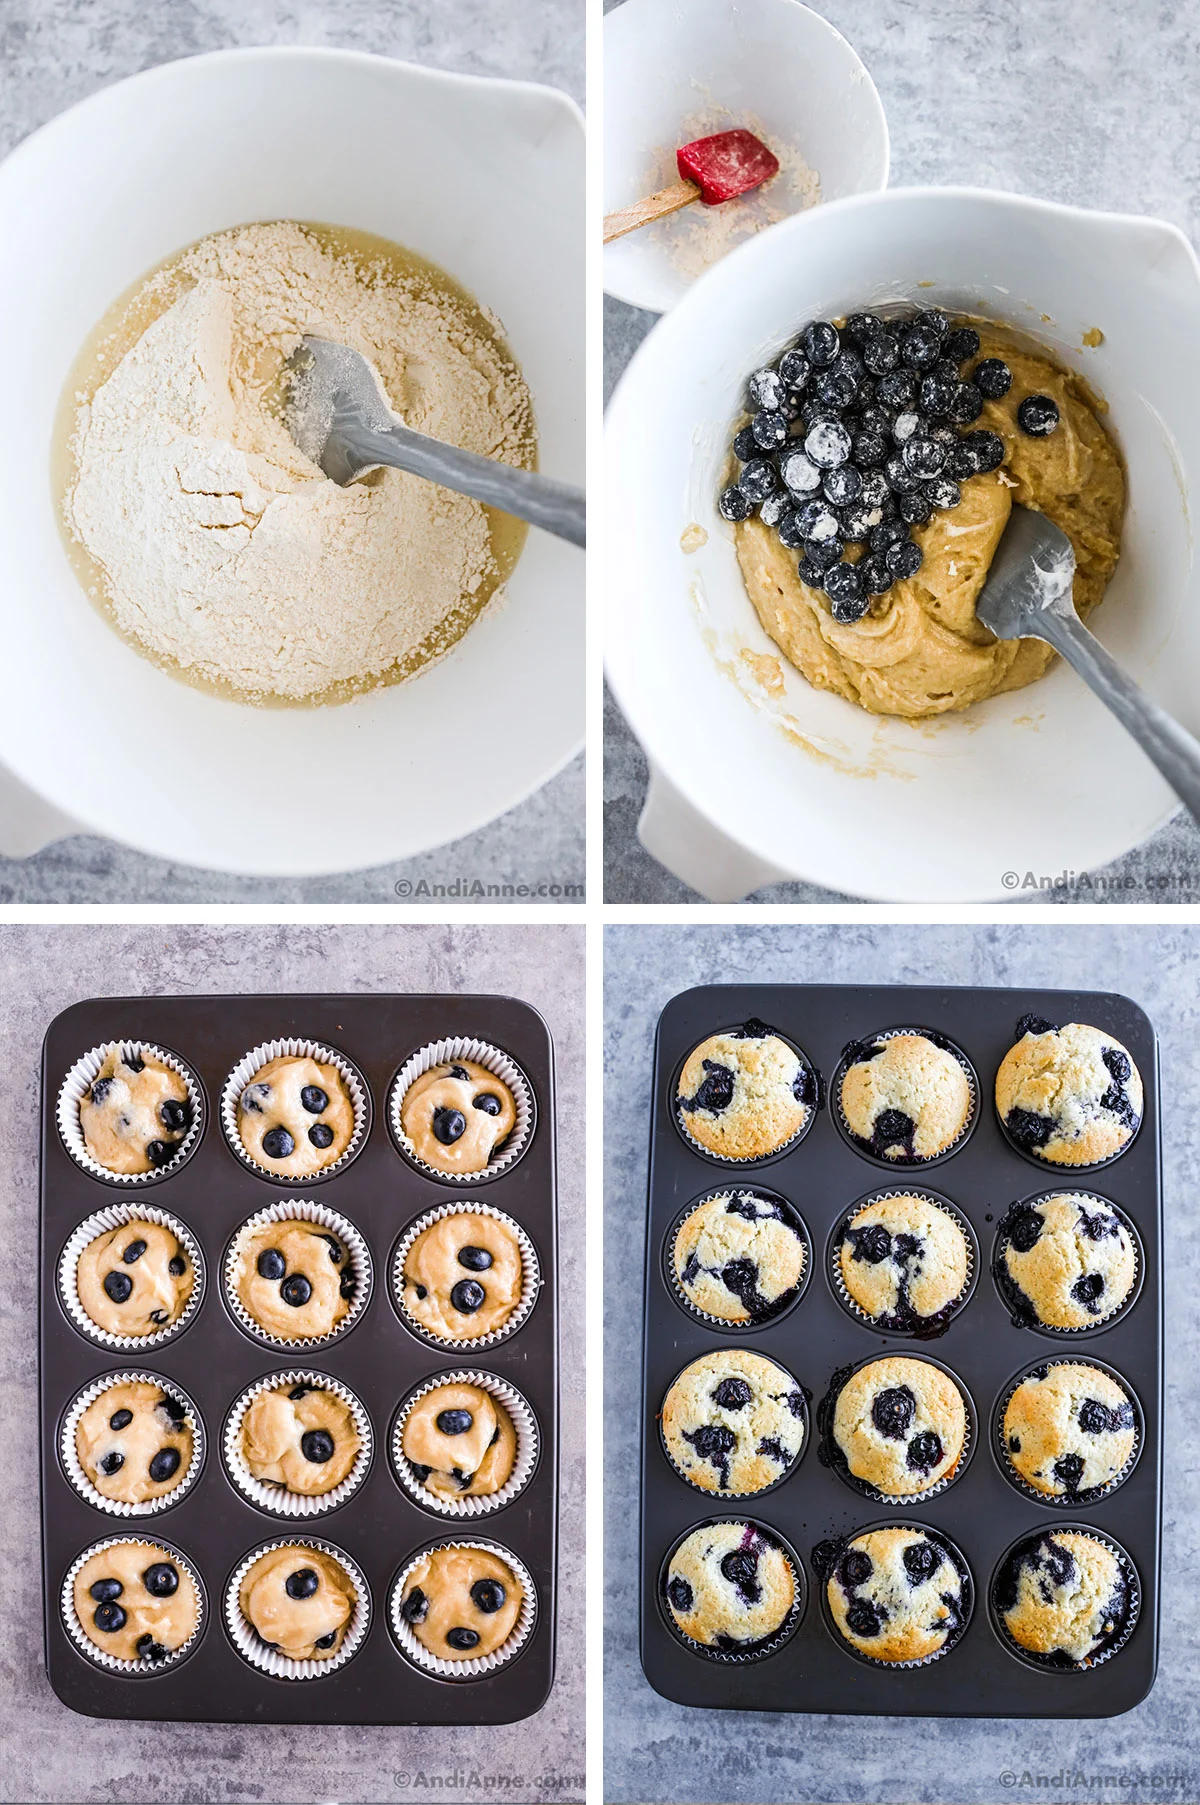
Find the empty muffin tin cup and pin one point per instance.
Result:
(769, 1645)
(805, 1420)
(723, 1323)
(69, 1453)
(250, 1644)
(502, 1066)
(78, 1082)
(922, 1329)
(84, 1643)
(833, 1456)
(278, 1499)
(1090, 1494)
(295, 1209)
(896, 1164)
(102, 1222)
(531, 1278)
(1011, 1295)
(968, 1594)
(524, 1424)
(758, 1159)
(1048, 1663)
(244, 1073)
(480, 1665)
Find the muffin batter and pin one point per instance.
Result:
(740, 1256)
(299, 1601)
(134, 1442)
(1069, 1261)
(460, 1442)
(294, 1279)
(904, 1261)
(920, 650)
(1068, 1429)
(135, 1114)
(745, 1094)
(900, 1425)
(463, 1277)
(135, 1602)
(904, 1097)
(1071, 1096)
(461, 1603)
(730, 1587)
(1065, 1597)
(733, 1422)
(135, 1280)
(295, 1117)
(455, 1117)
(897, 1594)
(300, 1437)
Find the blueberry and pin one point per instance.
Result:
(864, 1618)
(1014, 1444)
(680, 1594)
(836, 389)
(790, 535)
(475, 1259)
(992, 378)
(765, 389)
(159, 1316)
(872, 1244)
(740, 1568)
(904, 559)
(173, 1409)
(105, 1590)
(120, 1419)
(847, 593)
(448, 1125)
(857, 521)
(966, 404)
(855, 1568)
(713, 1442)
(1037, 416)
(812, 573)
(314, 1099)
(109, 1618)
(1118, 1064)
(159, 1153)
(321, 1135)
(301, 1584)
(733, 505)
(317, 1445)
(1068, 1470)
(174, 1115)
(935, 321)
(467, 1296)
(824, 557)
(295, 1291)
(459, 1073)
(164, 1464)
(337, 1252)
(820, 343)
(277, 1143)
(161, 1579)
(488, 1102)
(254, 1096)
(827, 443)
(1028, 1129)
(299, 1391)
(924, 1452)
(715, 1090)
(906, 426)
(881, 353)
(134, 1062)
(816, 520)
(771, 512)
(914, 509)
(921, 1561)
(326, 1641)
(897, 390)
(177, 1266)
(112, 1463)
(875, 492)
(118, 1286)
(961, 344)
(799, 473)
(943, 492)
(1025, 1226)
(900, 478)
(892, 1128)
(920, 346)
(935, 394)
(270, 1264)
(892, 1411)
(923, 455)
(863, 326)
(758, 479)
(148, 1649)
(843, 485)
(1086, 1289)
(986, 449)
(732, 1394)
(960, 464)
(454, 1422)
(461, 1637)
(133, 1251)
(770, 430)
(415, 1606)
(745, 445)
(869, 449)
(794, 370)
(488, 1595)
(100, 1089)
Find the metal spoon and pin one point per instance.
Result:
(1028, 596)
(339, 416)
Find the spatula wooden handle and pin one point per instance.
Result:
(655, 206)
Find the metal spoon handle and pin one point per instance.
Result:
(1166, 744)
(557, 507)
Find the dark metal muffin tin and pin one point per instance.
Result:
(380, 1360)
(982, 1512)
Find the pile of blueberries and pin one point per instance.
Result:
(859, 435)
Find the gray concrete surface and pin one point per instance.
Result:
(1072, 100)
(47, 1753)
(55, 52)
(656, 1750)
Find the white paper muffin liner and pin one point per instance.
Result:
(1043, 1662)
(100, 1222)
(531, 1276)
(756, 1159)
(269, 1660)
(91, 1494)
(84, 1643)
(295, 1209)
(1092, 1494)
(762, 1490)
(894, 1500)
(770, 1645)
(952, 1641)
(252, 1062)
(528, 1442)
(479, 1665)
(79, 1081)
(277, 1498)
(1007, 1286)
(494, 1060)
(838, 1282)
(723, 1324)
(909, 1165)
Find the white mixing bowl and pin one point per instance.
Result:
(751, 783)
(483, 177)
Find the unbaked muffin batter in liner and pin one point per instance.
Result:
(474, 1669)
(102, 1222)
(242, 1074)
(78, 1082)
(250, 1646)
(298, 1210)
(528, 1446)
(84, 1643)
(494, 1060)
(277, 1498)
(531, 1276)
(69, 1455)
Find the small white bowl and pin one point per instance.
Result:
(672, 73)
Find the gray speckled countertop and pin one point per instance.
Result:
(52, 1755)
(660, 1751)
(1072, 100)
(55, 52)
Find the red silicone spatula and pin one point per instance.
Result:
(712, 170)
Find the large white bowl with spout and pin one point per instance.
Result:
(751, 784)
(95, 737)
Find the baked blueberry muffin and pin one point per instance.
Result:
(895, 1594)
(1066, 1597)
(135, 1441)
(745, 1094)
(295, 1116)
(460, 1442)
(461, 1603)
(135, 1279)
(730, 1586)
(456, 1116)
(1071, 1096)
(1069, 1429)
(904, 1262)
(300, 1601)
(301, 1437)
(1066, 1262)
(135, 1113)
(740, 1256)
(899, 1425)
(463, 1276)
(135, 1601)
(294, 1279)
(733, 1422)
(904, 1097)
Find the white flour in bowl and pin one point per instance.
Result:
(224, 553)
